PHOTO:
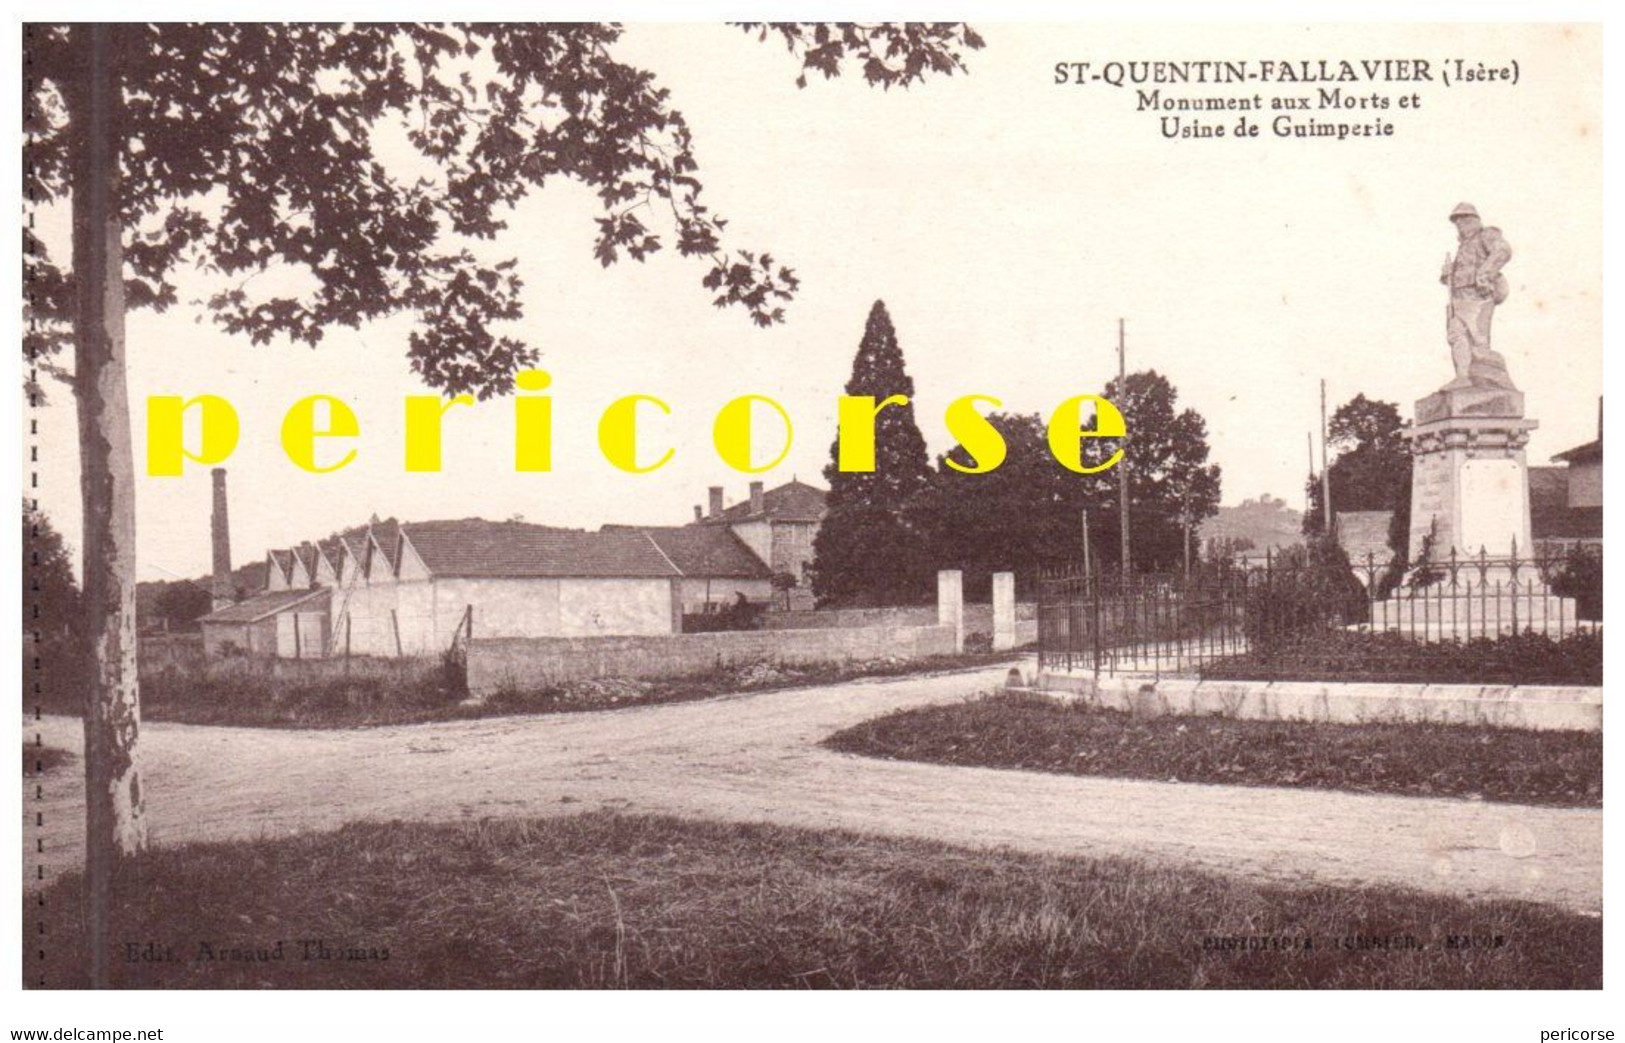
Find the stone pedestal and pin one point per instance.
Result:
(1469, 482)
(1470, 489)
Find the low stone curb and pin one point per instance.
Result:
(1538, 707)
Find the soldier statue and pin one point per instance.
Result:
(1476, 287)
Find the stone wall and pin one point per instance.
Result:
(527, 663)
(978, 619)
(156, 652)
(403, 670)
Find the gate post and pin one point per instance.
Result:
(1004, 611)
(951, 605)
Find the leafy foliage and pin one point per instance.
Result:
(1581, 578)
(1027, 514)
(871, 548)
(1226, 550)
(1169, 478)
(736, 615)
(1371, 470)
(1023, 516)
(1303, 592)
(182, 604)
(249, 149)
(887, 54)
(50, 593)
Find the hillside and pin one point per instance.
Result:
(1266, 521)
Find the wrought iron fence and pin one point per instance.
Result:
(1275, 607)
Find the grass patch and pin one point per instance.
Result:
(604, 900)
(267, 693)
(1037, 733)
(613, 692)
(37, 760)
(1393, 658)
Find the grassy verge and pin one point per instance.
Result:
(1041, 734)
(254, 693)
(37, 760)
(603, 900)
(612, 693)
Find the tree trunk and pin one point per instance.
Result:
(114, 821)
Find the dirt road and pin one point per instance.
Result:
(756, 758)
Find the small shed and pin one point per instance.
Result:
(1363, 535)
(291, 624)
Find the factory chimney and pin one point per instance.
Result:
(221, 587)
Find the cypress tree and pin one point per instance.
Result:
(870, 549)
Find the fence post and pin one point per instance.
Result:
(951, 605)
(1004, 611)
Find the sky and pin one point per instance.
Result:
(1008, 222)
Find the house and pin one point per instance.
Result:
(291, 624)
(718, 569)
(778, 525)
(1363, 535)
(1565, 503)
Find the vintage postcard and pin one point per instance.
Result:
(917, 506)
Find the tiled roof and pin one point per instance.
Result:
(792, 501)
(474, 547)
(703, 551)
(1582, 454)
(269, 604)
(307, 557)
(332, 549)
(356, 541)
(1363, 535)
(283, 561)
(387, 533)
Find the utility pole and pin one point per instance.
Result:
(1308, 501)
(1122, 467)
(1088, 566)
(1186, 519)
(1325, 472)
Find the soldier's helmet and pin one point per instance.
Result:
(1463, 210)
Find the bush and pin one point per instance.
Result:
(257, 691)
(1342, 655)
(1580, 578)
(1304, 591)
(741, 615)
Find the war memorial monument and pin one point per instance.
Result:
(1470, 524)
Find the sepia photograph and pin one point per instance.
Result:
(712, 505)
